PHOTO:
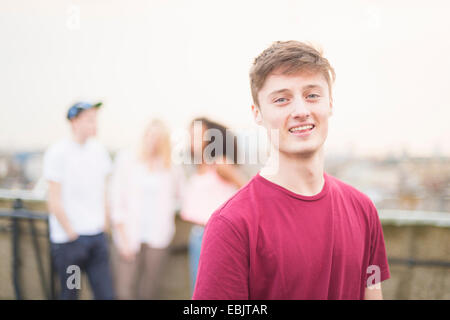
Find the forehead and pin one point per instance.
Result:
(154, 127)
(296, 81)
(87, 114)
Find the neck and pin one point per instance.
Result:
(79, 139)
(300, 174)
(202, 168)
(152, 160)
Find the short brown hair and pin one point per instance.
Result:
(289, 57)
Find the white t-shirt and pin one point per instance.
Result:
(81, 170)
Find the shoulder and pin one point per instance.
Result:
(241, 208)
(54, 160)
(60, 145)
(347, 189)
(97, 150)
(97, 146)
(58, 149)
(350, 193)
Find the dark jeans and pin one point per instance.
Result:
(90, 254)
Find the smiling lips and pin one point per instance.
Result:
(303, 130)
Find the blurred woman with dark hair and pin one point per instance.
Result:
(215, 180)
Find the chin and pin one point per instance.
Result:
(303, 150)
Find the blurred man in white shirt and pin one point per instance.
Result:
(76, 169)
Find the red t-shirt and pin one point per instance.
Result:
(267, 242)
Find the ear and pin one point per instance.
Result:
(257, 114)
(72, 123)
(331, 107)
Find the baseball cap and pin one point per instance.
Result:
(79, 107)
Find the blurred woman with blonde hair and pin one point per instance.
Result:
(145, 188)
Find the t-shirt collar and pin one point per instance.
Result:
(315, 197)
(79, 145)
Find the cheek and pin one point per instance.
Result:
(323, 121)
(275, 130)
(275, 119)
(324, 129)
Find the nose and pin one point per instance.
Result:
(300, 110)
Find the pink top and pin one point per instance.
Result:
(203, 195)
(267, 242)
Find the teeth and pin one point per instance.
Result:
(310, 126)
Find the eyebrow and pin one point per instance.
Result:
(312, 86)
(309, 86)
(278, 91)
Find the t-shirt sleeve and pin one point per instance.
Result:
(378, 268)
(224, 263)
(53, 164)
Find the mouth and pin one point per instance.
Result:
(303, 130)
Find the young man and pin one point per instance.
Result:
(293, 232)
(76, 169)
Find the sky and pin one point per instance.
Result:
(180, 59)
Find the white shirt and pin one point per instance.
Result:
(144, 201)
(81, 170)
(157, 220)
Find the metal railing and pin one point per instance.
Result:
(19, 213)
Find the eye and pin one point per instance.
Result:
(281, 100)
(313, 96)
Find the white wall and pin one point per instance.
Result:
(180, 59)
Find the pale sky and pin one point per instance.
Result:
(181, 59)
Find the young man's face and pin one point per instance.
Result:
(299, 106)
(85, 124)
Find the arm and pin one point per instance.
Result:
(224, 263)
(107, 206)
(179, 182)
(116, 207)
(108, 167)
(373, 293)
(378, 269)
(56, 208)
(124, 248)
